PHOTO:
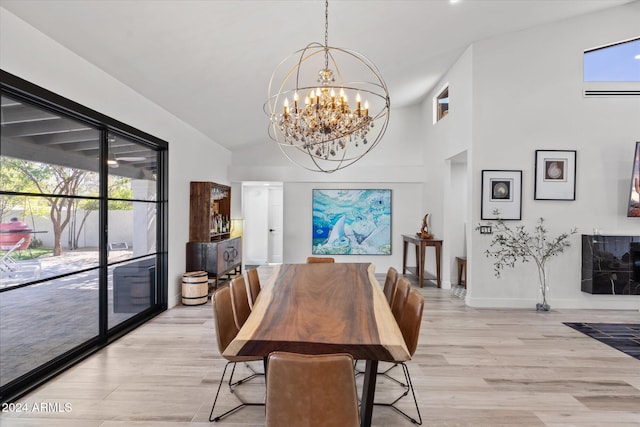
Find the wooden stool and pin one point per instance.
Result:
(462, 265)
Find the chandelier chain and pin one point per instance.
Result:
(326, 34)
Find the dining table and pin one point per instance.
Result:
(324, 308)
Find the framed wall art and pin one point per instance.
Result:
(555, 175)
(501, 192)
(634, 195)
(351, 222)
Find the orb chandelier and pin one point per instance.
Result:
(326, 117)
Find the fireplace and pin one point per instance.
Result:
(611, 265)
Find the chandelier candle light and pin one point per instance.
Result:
(327, 134)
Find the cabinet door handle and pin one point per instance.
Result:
(271, 229)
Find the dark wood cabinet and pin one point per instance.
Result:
(218, 259)
(209, 211)
(210, 246)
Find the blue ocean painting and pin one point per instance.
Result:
(351, 222)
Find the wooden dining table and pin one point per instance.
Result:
(324, 308)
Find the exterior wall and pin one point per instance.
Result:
(31, 55)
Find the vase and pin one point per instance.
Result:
(543, 276)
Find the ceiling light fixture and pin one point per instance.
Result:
(323, 132)
(111, 158)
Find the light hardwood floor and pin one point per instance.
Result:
(473, 367)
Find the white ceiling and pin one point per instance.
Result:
(209, 62)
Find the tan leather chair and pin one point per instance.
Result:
(239, 301)
(390, 283)
(311, 391)
(315, 259)
(226, 331)
(254, 285)
(400, 297)
(409, 324)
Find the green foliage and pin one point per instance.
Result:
(512, 244)
(36, 244)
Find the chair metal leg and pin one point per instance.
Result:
(383, 373)
(407, 377)
(242, 402)
(249, 377)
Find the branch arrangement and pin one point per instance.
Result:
(512, 244)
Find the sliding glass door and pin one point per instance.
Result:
(82, 253)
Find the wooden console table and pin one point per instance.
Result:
(421, 244)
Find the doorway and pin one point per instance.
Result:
(262, 210)
(456, 215)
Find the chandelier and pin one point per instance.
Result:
(326, 130)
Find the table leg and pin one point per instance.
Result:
(404, 256)
(438, 247)
(423, 249)
(368, 393)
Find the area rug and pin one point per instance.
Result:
(621, 336)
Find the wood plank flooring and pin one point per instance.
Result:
(473, 367)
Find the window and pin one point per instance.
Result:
(619, 62)
(441, 104)
(612, 70)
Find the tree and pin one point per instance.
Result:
(56, 184)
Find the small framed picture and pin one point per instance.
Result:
(501, 193)
(555, 175)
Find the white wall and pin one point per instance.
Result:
(31, 55)
(527, 95)
(447, 158)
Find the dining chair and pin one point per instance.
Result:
(399, 300)
(311, 391)
(409, 324)
(239, 300)
(390, 283)
(226, 331)
(254, 285)
(400, 297)
(316, 259)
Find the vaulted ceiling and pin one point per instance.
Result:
(209, 62)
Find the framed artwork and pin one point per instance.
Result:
(351, 222)
(501, 192)
(634, 194)
(555, 175)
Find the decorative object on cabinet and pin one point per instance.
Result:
(501, 191)
(210, 211)
(424, 232)
(555, 175)
(351, 222)
(611, 264)
(509, 245)
(324, 132)
(634, 192)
